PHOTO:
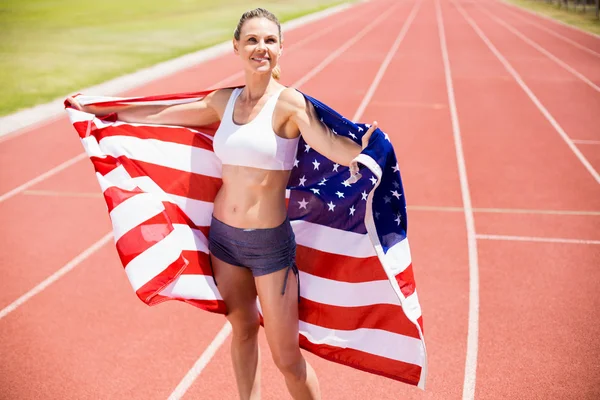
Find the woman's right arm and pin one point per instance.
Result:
(201, 112)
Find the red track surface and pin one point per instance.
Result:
(86, 336)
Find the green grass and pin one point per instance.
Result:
(585, 20)
(49, 48)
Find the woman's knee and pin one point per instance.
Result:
(290, 363)
(244, 326)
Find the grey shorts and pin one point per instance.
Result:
(262, 251)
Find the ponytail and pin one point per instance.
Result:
(276, 72)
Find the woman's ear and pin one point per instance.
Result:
(235, 48)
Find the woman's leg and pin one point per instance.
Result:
(236, 285)
(280, 313)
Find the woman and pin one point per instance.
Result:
(251, 242)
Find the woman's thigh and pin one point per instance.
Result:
(280, 313)
(237, 287)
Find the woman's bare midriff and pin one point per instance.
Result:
(251, 197)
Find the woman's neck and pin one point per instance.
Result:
(256, 86)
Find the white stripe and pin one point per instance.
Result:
(133, 211)
(537, 239)
(166, 154)
(41, 177)
(57, 275)
(374, 341)
(340, 50)
(200, 212)
(586, 141)
(346, 294)
(386, 62)
(542, 50)
(154, 260)
(555, 34)
(532, 96)
(473, 325)
(332, 240)
(398, 257)
(193, 287)
(202, 362)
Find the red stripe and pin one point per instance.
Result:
(177, 135)
(115, 196)
(216, 306)
(393, 369)
(386, 317)
(160, 281)
(104, 165)
(173, 181)
(406, 281)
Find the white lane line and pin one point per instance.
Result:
(41, 177)
(504, 210)
(542, 50)
(542, 16)
(473, 324)
(577, 141)
(536, 239)
(205, 358)
(555, 34)
(54, 193)
(16, 124)
(311, 74)
(386, 62)
(57, 275)
(532, 96)
(202, 362)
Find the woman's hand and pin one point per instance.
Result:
(354, 174)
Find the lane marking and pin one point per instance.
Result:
(541, 49)
(473, 324)
(57, 275)
(41, 177)
(578, 141)
(386, 62)
(28, 119)
(54, 193)
(201, 363)
(555, 34)
(542, 16)
(532, 96)
(536, 239)
(311, 74)
(505, 210)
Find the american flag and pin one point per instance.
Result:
(359, 305)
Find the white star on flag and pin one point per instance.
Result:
(315, 191)
(364, 195)
(296, 162)
(352, 135)
(398, 219)
(396, 185)
(373, 180)
(322, 183)
(386, 136)
(331, 206)
(334, 132)
(395, 168)
(387, 199)
(360, 129)
(306, 148)
(316, 164)
(395, 194)
(346, 183)
(339, 194)
(352, 210)
(335, 167)
(303, 203)
(377, 214)
(302, 180)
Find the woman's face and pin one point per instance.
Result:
(259, 47)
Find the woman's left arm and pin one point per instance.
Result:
(337, 148)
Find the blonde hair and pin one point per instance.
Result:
(260, 13)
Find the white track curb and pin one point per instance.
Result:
(43, 112)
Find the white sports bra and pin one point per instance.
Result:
(254, 144)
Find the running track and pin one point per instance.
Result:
(495, 117)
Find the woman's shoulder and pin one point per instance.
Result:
(218, 99)
(292, 99)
